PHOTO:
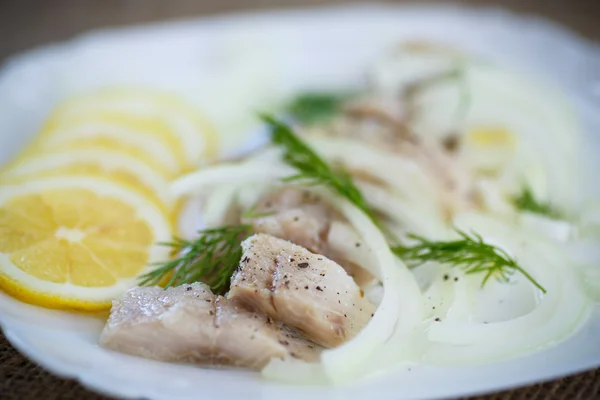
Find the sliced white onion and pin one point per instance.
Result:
(558, 314)
(342, 238)
(218, 204)
(407, 178)
(198, 181)
(589, 218)
(553, 229)
(584, 253)
(412, 217)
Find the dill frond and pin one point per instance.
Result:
(211, 258)
(525, 201)
(469, 253)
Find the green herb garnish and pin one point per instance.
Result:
(253, 213)
(309, 108)
(470, 253)
(527, 202)
(211, 258)
(312, 170)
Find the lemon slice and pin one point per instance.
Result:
(196, 135)
(113, 145)
(110, 164)
(131, 131)
(76, 243)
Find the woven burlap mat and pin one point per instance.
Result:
(21, 379)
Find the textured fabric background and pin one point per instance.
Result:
(27, 23)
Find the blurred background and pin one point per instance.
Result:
(27, 23)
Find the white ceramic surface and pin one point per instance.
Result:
(278, 52)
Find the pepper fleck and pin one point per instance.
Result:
(189, 289)
(446, 277)
(437, 320)
(303, 265)
(357, 244)
(451, 143)
(456, 279)
(319, 288)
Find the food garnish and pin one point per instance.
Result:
(313, 170)
(83, 205)
(313, 107)
(75, 242)
(526, 201)
(211, 258)
(471, 253)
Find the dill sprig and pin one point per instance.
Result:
(526, 201)
(312, 107)
(312, 170)
(470, 253)
(211, 258)
(254, 213)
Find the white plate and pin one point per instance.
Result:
(278, 52)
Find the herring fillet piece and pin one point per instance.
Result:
(295, 215)
(303, 290)
(301, 217)
(190, 324)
